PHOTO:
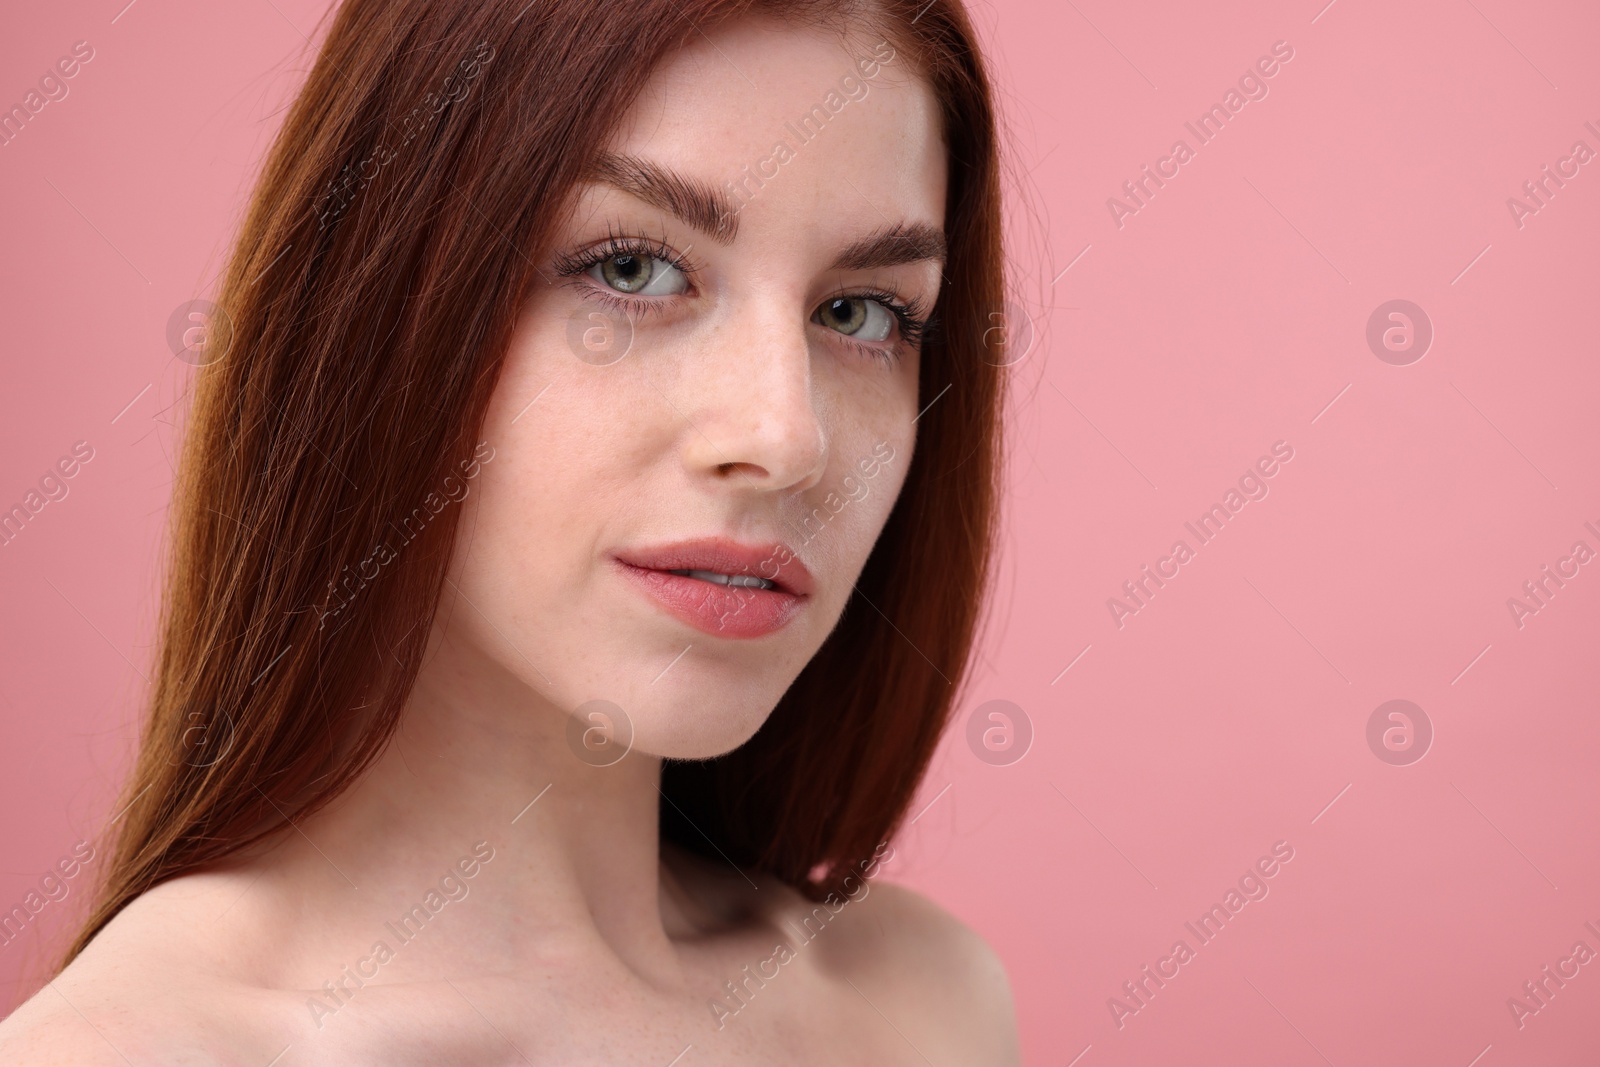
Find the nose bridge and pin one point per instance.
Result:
(757, 402)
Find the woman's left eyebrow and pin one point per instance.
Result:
(903, 242)
(705, 208)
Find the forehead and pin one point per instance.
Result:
(791, 122)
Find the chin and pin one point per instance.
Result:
(695, 730)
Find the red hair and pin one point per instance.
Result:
(363, 319)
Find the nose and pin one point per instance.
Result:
(756, 418)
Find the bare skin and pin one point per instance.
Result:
(560, 930)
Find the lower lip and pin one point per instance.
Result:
(718, 610)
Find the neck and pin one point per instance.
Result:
(481, 757)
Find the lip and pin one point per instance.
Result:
(718, 610)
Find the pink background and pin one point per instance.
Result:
(1227, 314)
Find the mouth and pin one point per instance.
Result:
(721, 587)
(747, 581)
(766, 567)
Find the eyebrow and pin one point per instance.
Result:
(695, 202)
(901, 243)
(699, 204)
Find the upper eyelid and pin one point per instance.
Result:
(909, 337)
(616, 244)
(618, 234)
(620, 242)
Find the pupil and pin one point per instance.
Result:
(627, 272)
(846, 314)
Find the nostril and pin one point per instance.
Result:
(746, 471)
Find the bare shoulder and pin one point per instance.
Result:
(918, 966)
(891, 957)
(46, 1031)
(139, 992)
(89, 1017)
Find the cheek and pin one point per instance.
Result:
(866, 405)
(870, 411)
(536, 594)
(558, 473)
(843, 530)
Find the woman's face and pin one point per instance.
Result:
(723, 393)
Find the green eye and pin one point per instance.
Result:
(628, 274)
(862, 318)
(631, 272)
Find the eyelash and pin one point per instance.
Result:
(911, 318)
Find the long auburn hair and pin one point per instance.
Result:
(359, 330)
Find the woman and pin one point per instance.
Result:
(582, 528)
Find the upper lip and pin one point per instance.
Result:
(773, 561)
